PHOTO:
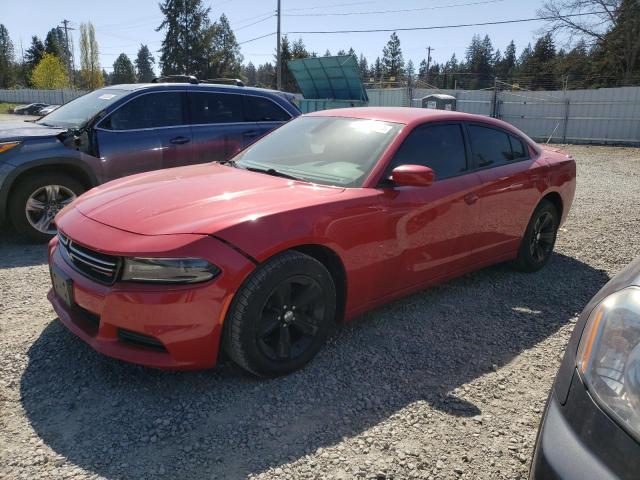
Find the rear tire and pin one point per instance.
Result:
(281, 316)
(539, 238)
(35, 201)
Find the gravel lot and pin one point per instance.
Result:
(445, 384)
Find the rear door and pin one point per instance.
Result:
(218, 125)
(149, 132)
(508, 193)
(264, 113)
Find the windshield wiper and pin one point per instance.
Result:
(273, 172)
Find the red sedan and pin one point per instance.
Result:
(330, 215)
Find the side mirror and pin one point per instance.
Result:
(413, 175)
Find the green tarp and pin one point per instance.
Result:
(329, 78)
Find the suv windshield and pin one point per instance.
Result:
(77, 112)
(336, 151)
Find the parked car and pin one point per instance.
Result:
(48, 109)
(31, 109)
(121, 130)
(591, 425)
(330, 215)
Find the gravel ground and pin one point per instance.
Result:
(445, 384)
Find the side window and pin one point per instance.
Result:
(489, 146)
(261, 109)
(440, 147)
(152, 110)
(215, 107)
(518, 149)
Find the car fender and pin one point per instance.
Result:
(12, 172)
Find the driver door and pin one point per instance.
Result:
(432, 226)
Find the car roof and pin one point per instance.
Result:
(191, 86)
(406, 115)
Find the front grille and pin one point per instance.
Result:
(95, 265)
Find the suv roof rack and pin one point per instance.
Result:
(225, 81)
(176, 79)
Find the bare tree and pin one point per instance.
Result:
(596, 18)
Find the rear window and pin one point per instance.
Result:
(490, 147)
(261, 109)
(215, 108)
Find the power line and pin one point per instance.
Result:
(374, 12)
(271, 15)
(332, 5)
(257, 38)
(437, 27)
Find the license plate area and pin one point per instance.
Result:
(62, 286)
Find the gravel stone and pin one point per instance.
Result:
(438, 385)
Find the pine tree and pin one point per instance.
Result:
(299, 50)
(144, 64)
(187, 39)
(266, 76)
(55, 43)
(224, 57)
(422, 70)
(507, 64)
(376, 70)
(34, 53)
(327, 53)
(7, 67)
(392, 60)
(410, 73)
(363, 66)
(542, 63)
(123, 71)
(251, 74)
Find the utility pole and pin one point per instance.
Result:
(279, 53)
(66, 27)
(428, 63)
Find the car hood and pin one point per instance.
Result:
(201, 199)
(10, 131)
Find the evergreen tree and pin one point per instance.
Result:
(55, 43)
(7, 66)
(327, 53)
(392, 60)
(507, 64)
(34, 53)
(422, 70)
(266, 76)
(541, 63)
(144, 64)
(410, 73)
(363, 66)
(352, 52)
(376, 70)
(123, 71)
(298, 49)
(479, 62)
(106, 77)
(251, 74)
(223, 51)
(187, 39)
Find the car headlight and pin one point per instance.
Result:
(5, 146)
(609, 356)
(168, 270)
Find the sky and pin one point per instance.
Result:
(122, 25)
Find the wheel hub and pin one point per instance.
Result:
(288, 317)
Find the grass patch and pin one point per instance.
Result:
(5, 107)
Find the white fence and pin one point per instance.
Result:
(605, 115)
(32, 95)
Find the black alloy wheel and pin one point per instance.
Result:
(281, 315)
(539, 238)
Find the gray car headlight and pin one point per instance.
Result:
(168, 270)
(609, 356)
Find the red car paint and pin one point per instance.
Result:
(389, 241)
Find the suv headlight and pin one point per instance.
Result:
(609, 356)
(5, 146)
(168, 270)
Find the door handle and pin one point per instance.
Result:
(471, 198)
(179, 140)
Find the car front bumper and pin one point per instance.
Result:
(578, 441)
(173, 327)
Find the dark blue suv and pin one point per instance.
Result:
(122, 130)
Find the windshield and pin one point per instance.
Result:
(334, 151)
(77, 112)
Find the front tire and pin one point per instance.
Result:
(281, 316)
(539, 238)
(35, 201)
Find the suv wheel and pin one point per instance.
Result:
(35, 202)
